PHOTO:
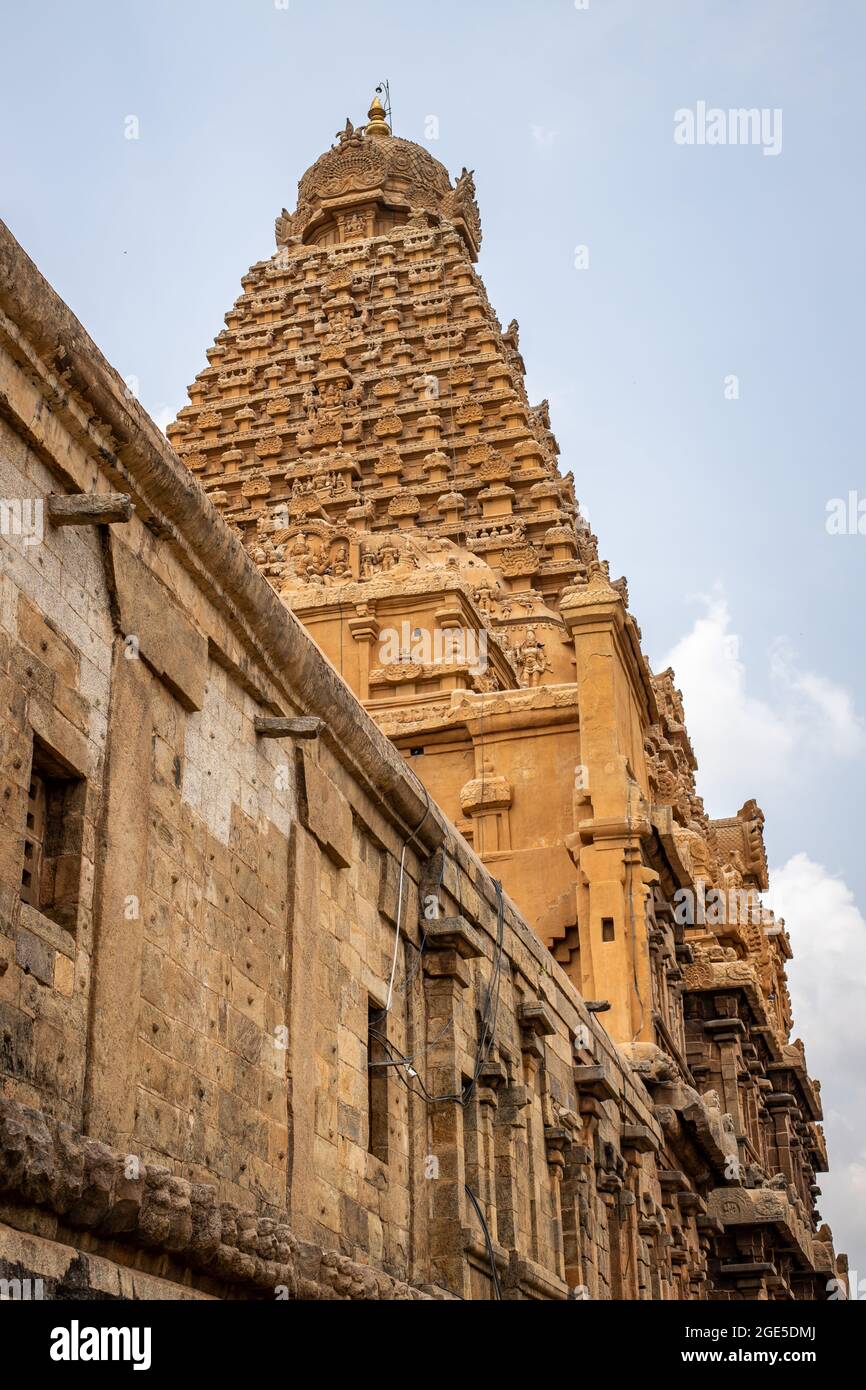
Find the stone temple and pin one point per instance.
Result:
(362, 932)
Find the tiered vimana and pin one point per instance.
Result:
(365, 427)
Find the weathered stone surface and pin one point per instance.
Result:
(149, 616)
(34, 956)
(326, 813)
(88, 509)
(288, 728)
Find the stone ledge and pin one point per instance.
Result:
(740, 1206)
(599, 1082)
(47, 1164)
(53, 1270)
(454, 933)
(536, 1019)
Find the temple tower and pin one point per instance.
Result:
(363, 424)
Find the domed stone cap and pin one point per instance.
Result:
(371, 181)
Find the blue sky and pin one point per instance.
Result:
(704, 262)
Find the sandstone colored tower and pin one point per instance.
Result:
(363, 425)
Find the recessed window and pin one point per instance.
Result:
(53, 835)
(607, 931)
(377, 1081)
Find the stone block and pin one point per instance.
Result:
(16, 1041)
(170, 644)
(35, 956)
(40, 637)
(326, 813)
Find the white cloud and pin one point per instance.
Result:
(844, 728)
(827, 979)
(743, 742)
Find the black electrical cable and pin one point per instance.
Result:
(486, 1035)
(488, 1242)
(416, 964)
(487, 1030)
